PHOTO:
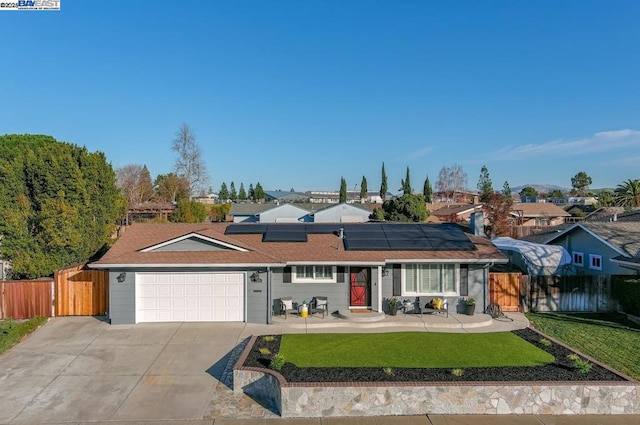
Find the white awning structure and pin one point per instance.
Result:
(539, 259)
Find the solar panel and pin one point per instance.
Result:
(245, 229)
(284, 236)
(366, 245)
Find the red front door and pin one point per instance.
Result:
(360, 285)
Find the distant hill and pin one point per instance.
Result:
(541, 188)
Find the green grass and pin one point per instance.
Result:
(411, 350)
(608, 338)
(11, 332)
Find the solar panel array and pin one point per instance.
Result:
(367, 236)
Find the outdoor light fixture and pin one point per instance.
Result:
(385, 271)
(255, 277)
(121, 277)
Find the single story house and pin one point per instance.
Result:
(341, 213)
(597, 248)
(455, 213)
(538, 214)
(162, 272)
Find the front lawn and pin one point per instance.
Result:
(11, 331)
(411, 350)
(608, 338)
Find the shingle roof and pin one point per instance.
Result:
(539, 209)
(318, 248)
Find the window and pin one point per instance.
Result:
(430, 279)
(595, 262)
(311, 274)
(578, 259)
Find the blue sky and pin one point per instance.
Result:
(299, 93)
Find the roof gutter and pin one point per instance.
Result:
(450, 260)
(181, 265)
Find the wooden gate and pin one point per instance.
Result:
(81, 291)
(24, 299)
(505, 289)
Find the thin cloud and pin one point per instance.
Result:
(419, 153)
(604, 141)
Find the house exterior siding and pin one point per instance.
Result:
(122, 298)
(580, 241)
(256, 303)
(342, 213)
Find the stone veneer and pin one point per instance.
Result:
(392, 398)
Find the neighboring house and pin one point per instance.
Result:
(597, 248)
(330, 197)
(247, 213)
(538, 214)
(455, 213)
(285, 213)
(238, 272)
(282, 196)
(535, 259)
(342, 213)
(151, 210)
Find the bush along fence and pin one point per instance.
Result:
(627, 291)
(74, 291)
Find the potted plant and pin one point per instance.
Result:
(393, 306)
(304, 309)
(471, 306)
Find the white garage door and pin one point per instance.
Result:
(189, 297)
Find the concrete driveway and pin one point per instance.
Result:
(82, 369)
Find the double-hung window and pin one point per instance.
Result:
(578, 259)
(595, 262)
(313, 274)
(430, 279)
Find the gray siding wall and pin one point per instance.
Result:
(581, 241)
(192, 244)
(257, 311)
(287, 212)
(122, 298)
(335, 214)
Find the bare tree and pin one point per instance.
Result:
(189, 163)
(135, 183)
(451, 180)
(458, 179)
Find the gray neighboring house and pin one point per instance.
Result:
(283, 196)
(166, 272)
(342, 213)
(597, 248)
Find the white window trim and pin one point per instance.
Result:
(296, 279)
(573, 258)
(456, 277)
(593, 257)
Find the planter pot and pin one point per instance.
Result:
(471, 308)
(393, 309)
(304, 310)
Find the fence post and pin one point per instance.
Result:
(1, 299)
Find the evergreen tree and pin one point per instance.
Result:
(242, 194)
(485, 187)
(343, 190)
(223, 195)
(383, 185)
(427, 191)
(363, 188)
(259, 192)
(407, 208)
(189, 212)
(252, 193)
(233, 195)
(406, 184)
(580, 183)
(506, 190)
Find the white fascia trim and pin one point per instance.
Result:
(632, 264)
(589, 231)
(183, 266)
(455, 261)
(194, 235)
(334, 263)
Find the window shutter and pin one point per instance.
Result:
(397, 280)
(340, 274)
(286, 275)
(464, 280)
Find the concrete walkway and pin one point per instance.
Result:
(81, 370)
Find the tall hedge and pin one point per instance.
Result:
(627, 290)
(58, 204)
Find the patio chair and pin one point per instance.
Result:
(286, 306)
(319, 305)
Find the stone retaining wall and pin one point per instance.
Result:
(381, 399)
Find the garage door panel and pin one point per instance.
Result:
(194, 297)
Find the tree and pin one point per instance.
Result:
(223, 194)
(58, 204)
(580, 183)
(170, 187)
(485, 187)
(451, 180)
(627, 194)
(529, 192)
(233, 195)
(259, 193)
(427, 190)
(218, 212)
(242, 194)
(406, 208)
(364, 190)
(606, 198)
(383, 185)
(189, 163)
(252, 192)
(343, 190)
(406, 184)
(135, 183)
(506, 190)
(189, 211)
(497, 211)
(377, 214)
(557, 193)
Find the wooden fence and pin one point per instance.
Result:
(506, 289)
(81, 291)
(569, 293)
(24, 299)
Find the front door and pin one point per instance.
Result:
(360, 279)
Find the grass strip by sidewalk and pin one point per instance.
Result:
(609, 338)
(411, 350)
(12, 331)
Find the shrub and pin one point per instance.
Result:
(626, 291)
(545, 342)
(268, 338)
(579, 364)
(264, 351)
(277, 362)
(457, 372)
(388, 371)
